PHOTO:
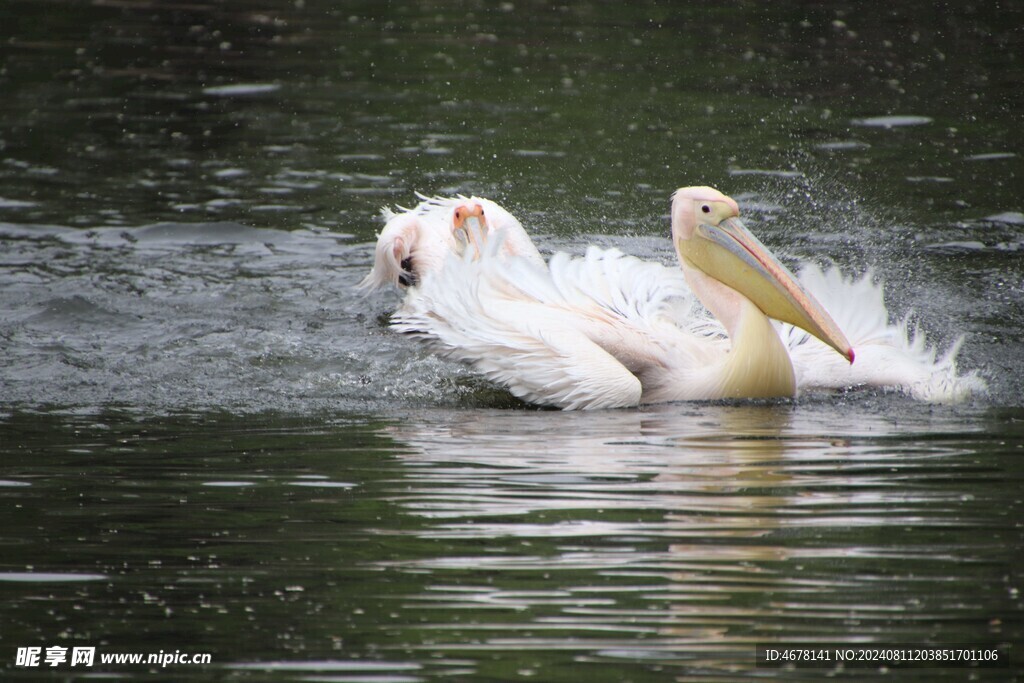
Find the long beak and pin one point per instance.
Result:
(732, 255)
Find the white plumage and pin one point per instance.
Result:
(419, 240)
(608, 330)
(889, 355)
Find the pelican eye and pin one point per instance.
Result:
(458, 214)
(407, 278)
(705, 208)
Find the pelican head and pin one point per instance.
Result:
(710, 238)
(469, 225)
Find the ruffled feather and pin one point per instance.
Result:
(889, 355)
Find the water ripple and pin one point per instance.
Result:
(701, 530)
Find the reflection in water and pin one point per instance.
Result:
(505, 544)
(686, 534)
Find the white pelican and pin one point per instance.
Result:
(419, 240)
(608, 330)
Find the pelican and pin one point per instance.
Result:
(418, 241)
(610, 331)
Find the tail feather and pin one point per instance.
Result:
(889, 355)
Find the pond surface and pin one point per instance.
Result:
(209, 443)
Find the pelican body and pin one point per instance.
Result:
(608, 330)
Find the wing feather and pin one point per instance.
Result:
(888, 355)
(512, 334)
(605, 330)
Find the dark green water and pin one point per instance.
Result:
(210, 443)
